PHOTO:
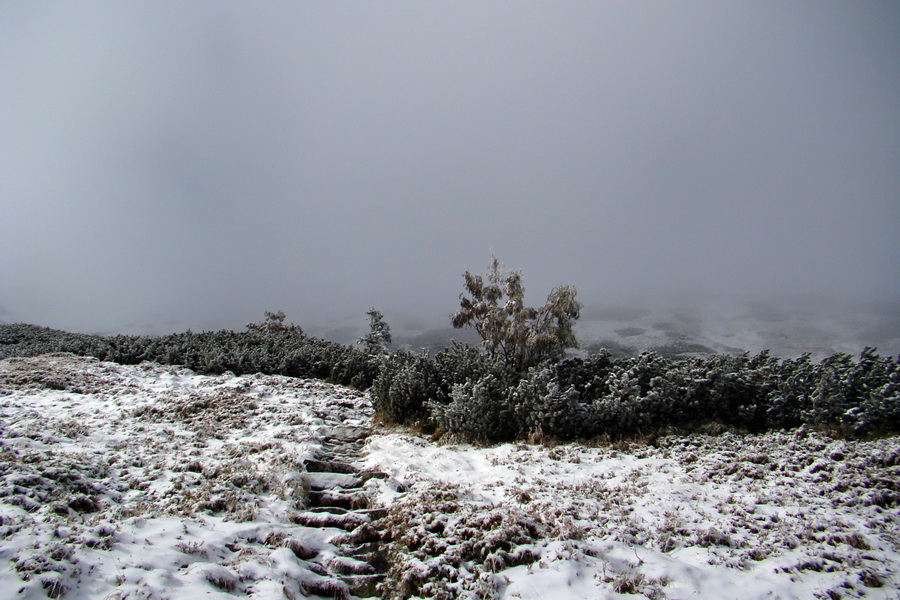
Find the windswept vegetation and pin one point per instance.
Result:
(269, 347)
(520, 384)
(466, 393)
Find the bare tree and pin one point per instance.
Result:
(521, 335)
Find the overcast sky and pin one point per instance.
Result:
(168, 165)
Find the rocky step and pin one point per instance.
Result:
(343, 453)
(347, 565)
(376, 557)
(361, 549)
(345, 434)
(347, 520)
(340, 451)
(373, 513)
(329, 466)
(326, 587)
(366, 533)
(367, 475)
(330, 481)
(348, 499)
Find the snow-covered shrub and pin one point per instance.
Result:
(274, 325)
(460, 363)
(542, 407)
(861, 397)
(585, 374)
(270, 347)
(404, 383)
(739, 387)
(633, 397)
(521, 336)
(478, 410)
(791, 393)
(616, 397)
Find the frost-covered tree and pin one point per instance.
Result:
(274, 324)
(520, 335)
(379, 336)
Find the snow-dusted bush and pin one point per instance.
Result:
(269, 347)
(581, 398)
(273, 324)
(543, 408)
(460, 363)
(862, 397)
(520, 335)
(568, 399)
(478, 410)
(633, 397)
(404, 384)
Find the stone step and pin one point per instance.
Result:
(364, 534)
(348, 565)
(336, 510)
(326, 587)
(344, 456)
(330, 481)
(351, 500)
(348, 521)
(346, 433)
(376, 558)
(367, 475)
(361, 549)
(329, 466)
(341, 447)
(373, 513)
(336, 499)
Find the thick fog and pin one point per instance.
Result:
(166, 165)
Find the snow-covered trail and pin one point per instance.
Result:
(153, 482)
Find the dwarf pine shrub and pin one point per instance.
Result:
(488, 398)
(404, 384)
(541, 406)
(270, 347)
(478, 410)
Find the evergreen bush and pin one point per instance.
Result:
(486, 398)
(478, 411)
(543, 408)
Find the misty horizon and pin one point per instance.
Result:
(170, 166)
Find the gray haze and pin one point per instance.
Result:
(166, 165)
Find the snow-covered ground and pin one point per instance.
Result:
(154, 482)
(784, 515)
